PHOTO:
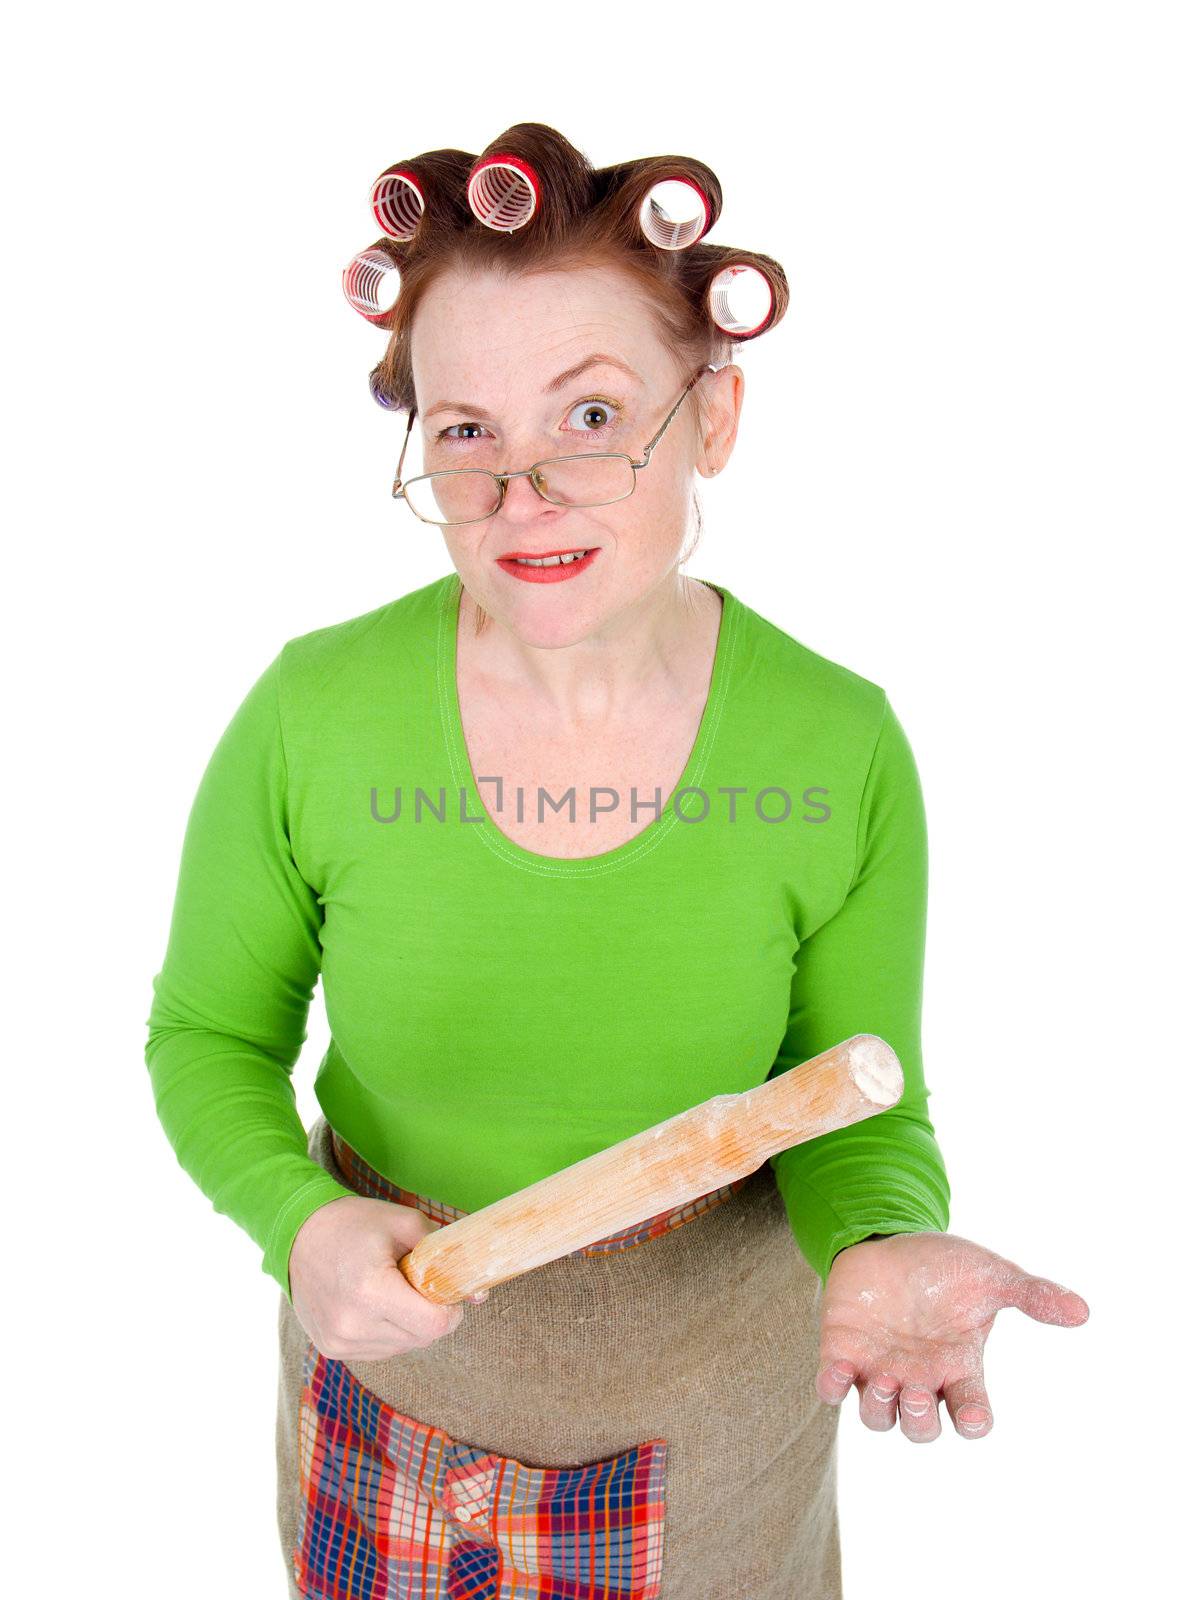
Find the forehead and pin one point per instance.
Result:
(492, 335)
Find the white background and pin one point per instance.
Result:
(963, 471)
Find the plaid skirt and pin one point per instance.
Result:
(635, 1421)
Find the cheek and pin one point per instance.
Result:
(657, 512)
(466, 556)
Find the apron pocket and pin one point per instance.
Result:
(393, 1507)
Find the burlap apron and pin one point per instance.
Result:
(674, 1377)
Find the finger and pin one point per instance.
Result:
(1046, 1301)
(878, 1401)
(427, 1329)
(969, 1407)
(919, 1418)
(834, 1381)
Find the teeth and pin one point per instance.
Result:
(550, 561)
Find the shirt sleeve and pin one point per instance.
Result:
(862, 971)
(230, 1004)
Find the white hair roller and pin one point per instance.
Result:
(741, 301)
(674, 214)
(503, 192)
(398, 202)
(364, 280)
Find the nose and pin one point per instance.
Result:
(523, 502)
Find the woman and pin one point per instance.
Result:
(453, 808)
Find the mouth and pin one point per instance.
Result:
(555, 558)
(552, 566)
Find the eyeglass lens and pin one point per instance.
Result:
(468, 495)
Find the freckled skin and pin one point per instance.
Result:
(904, 1320)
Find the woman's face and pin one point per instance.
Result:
(487, 354)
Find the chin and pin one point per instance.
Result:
(550, 627)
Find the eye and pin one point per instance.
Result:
(596, 416)
(446, 434)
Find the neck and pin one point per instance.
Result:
(647, 649)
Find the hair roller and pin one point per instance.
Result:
(674, 213)
(742, 301)
(670, 201)
(364, 280)
(530, 172)
(504, 191)
(398, 201)
(380, 391)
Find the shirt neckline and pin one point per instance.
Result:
(656, 831)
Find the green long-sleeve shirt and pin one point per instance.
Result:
(495, 1014)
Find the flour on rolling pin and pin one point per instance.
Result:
(726, 1137)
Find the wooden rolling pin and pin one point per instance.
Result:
(667, 1165)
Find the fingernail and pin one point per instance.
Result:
(975, 1420)
(916, 1404)
(840, 1374)
(885, 1394)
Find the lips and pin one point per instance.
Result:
(542, 555)
(554, 566)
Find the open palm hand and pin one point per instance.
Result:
(904, 1321)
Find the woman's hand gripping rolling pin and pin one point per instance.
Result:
(904, 1321)
(346, 1288)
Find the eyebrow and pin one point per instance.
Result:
(558, 382)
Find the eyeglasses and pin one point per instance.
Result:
(471, 494)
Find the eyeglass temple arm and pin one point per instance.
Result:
(397, 490)
(647, 449)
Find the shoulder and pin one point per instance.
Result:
(362, 646)
(824, 693)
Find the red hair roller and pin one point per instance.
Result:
(674, 213)
(398, 202)
(363, 277)
(504, 192)
(741, 301)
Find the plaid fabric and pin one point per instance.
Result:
(393, 1509)
(367, 1181)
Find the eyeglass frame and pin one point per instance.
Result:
(502, 478)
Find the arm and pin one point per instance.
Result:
(862, 972)
(230, 1005)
